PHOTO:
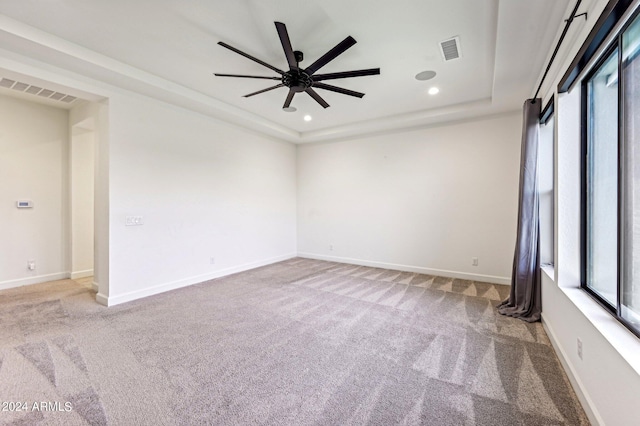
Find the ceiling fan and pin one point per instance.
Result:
(299, 79)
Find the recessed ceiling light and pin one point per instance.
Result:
(307, 118)
(425, 75)
(290, 109)
(434, 91)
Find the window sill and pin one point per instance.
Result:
(618, 336)
(550, 271)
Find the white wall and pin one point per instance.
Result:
(426, 200)
(94, 117)
(82, 193)
(33, 165)
(607, 377)
(204, 189)
(606, 383)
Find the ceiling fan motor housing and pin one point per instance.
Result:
(297, 80)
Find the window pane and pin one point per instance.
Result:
(602, 181)
(545, 188)
(630, 291)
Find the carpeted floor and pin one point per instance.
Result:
(295, 343)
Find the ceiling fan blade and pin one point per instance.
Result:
(264, 90)
(331, 55)
(346, 74)
(247, 76)
(317, 97)
(246, 55)
(286, 45)
(338, 90)
(287, 102)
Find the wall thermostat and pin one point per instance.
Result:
(24, 204)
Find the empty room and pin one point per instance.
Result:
(311, 212)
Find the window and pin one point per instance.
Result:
(545, 183)
(602, 181)
(611, 179)
(630, 285)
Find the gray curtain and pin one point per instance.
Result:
(524, 301)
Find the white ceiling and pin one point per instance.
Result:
(168, 49)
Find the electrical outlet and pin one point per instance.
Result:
(31, 265)
(579, 347)
(330, 247)
(212, 260)
(474, 261)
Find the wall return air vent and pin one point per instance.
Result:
(35, 90)
(450, 49)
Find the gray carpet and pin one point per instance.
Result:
(300, 342)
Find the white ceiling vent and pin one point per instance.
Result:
(20, 87)
(35, 90)
(5, 82)
(450, 49)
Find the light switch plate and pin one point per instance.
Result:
(133, 221)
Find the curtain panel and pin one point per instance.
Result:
(524, 300)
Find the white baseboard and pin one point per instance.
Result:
(578, 387)
(102, 299)
(81, 274)
(162, 288)
(34, 280)
(95, 286)
(407, 268)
